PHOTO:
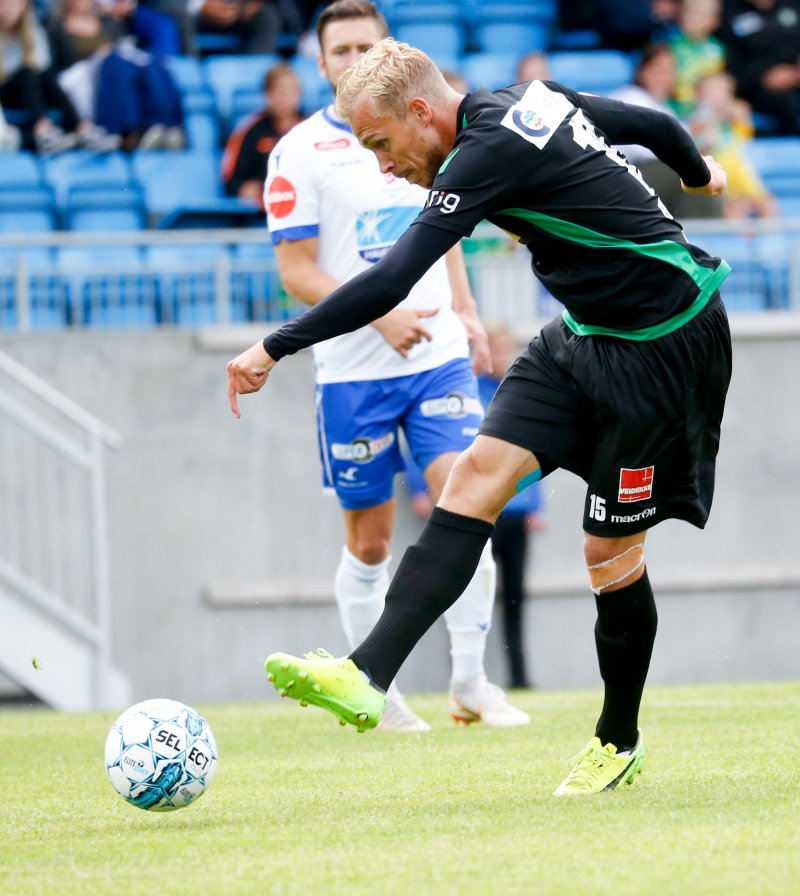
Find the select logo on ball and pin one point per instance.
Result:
(281, 197)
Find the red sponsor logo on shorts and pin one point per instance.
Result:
(281, 197)
(635, 485)
(328, 145)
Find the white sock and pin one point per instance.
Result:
(470, 618)
(360, 590)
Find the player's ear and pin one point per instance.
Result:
(420, 110)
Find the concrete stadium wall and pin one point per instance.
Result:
(223, 547)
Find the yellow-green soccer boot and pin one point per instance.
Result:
(597, 768)
(335, 684)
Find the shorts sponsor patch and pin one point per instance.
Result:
(635, 485)
(362, 451)
(454, 405)
(281, 197)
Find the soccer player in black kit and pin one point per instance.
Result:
(626, 389)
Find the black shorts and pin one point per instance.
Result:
(638, 421)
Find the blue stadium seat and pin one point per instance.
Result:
(490, 70)
(226, 74)
(177, 179)
(317, 92)
(185, 277)
(104, 287)
(112, 209)
(202, 129)
(411, 12)
(190, 76)
(518, 38)
(245, 102)
(86, 169)
(47, 300)
(438, 39)
(592, 71)
(777, 160)
(19, 170)
(27, 215)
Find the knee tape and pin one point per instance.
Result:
(617, 569)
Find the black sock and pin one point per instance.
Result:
(624, 633)
(430, 577)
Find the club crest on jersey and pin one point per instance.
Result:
(537, 114)
(362, 451)
(635, 485)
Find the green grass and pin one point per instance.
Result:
(302, 806)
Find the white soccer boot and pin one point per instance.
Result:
(478, 700)
(398, 716)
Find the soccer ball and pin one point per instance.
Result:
(160, 755)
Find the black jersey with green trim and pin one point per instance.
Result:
(535, 159)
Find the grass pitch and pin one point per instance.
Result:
(302, 806)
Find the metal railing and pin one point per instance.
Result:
(53, 526)
(204, 277)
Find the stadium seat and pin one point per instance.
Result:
(245, 102)
(190, 76)
(490, 70)
(86, 169)
(202, 130)
(27, 215)
(777, 160)
(516, 38)
(226, 74)
(592, 71)
(19, 170)
(438, 39)
(104, 286)
(112, 209)
(317, 92)
(411, 12)
(186, 281)
(47, 302)
(177, 179)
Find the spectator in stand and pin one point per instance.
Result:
(533, 67)
(722, 126)
(653, 87)
(697, 51)
(127, 91)
(244, 164)
(154, 31)
(258, 23)
(10, 137)
(28, 82)
(762, 44)
(629, 24)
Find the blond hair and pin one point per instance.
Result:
(23, 31)
(391, 74)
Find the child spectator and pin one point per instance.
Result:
(722, 126)
(697, 51)
(244, 164)
(28, 83)
(129, 92)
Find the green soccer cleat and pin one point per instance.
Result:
(597, 768)
(337, 685)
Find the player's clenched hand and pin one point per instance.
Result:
(247, 373)
(402, 328)
(718, 182)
